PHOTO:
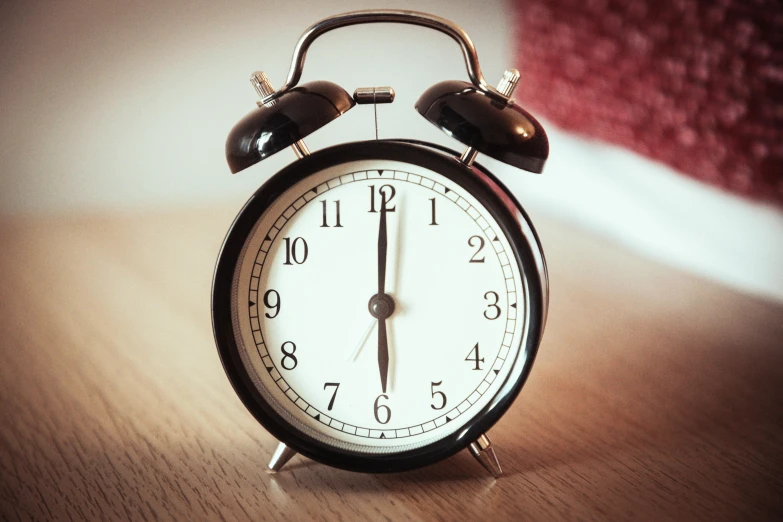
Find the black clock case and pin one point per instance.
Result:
(490, 192)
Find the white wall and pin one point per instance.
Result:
(127, 105)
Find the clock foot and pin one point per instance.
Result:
(484, 452)
(281, 455)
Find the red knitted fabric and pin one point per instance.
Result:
(697, 85)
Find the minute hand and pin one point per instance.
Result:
(382, 247)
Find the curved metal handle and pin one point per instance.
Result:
(387, 16)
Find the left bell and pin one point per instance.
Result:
(289, 118)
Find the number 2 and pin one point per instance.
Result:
(474, 259)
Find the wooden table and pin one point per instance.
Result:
(656, 395)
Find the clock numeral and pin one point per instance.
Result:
(289, 356)
(334, 393)
(492, 306)
(269, 304)
(442, 396)
(325, 224)
(474, 352)
(475, 258)
(295, 250)
(380, 407)
(433, 212)
(387, 193)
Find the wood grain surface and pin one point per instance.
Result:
(656, 395)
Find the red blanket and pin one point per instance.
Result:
(697, 85)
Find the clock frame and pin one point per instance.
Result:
(524, 245)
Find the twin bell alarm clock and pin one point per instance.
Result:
(377, 305)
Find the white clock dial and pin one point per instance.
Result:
(301, 314)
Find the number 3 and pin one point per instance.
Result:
(492, 315)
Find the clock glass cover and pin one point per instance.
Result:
(371, 355)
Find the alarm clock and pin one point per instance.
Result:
(377, 305)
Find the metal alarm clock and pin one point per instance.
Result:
(377, 305)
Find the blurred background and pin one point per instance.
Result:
(656, 394)
(664, 118)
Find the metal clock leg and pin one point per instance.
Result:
(484, 452)
(281, 455)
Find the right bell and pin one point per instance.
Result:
(503, 131)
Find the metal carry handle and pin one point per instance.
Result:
(387, 16)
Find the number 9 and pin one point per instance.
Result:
(269, 304)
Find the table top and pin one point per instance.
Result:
(655, 395)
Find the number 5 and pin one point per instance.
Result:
(442, 396)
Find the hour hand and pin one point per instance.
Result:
(381, 307)
(383, 353)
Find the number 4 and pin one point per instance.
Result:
(474, 352)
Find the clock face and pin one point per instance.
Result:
(378, 306)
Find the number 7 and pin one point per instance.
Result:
(336, 387)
